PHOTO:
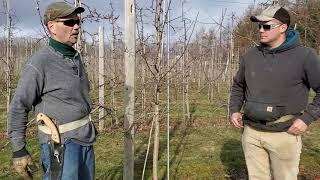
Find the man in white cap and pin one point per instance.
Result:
(272, 87)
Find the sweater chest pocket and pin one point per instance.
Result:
(64, 85)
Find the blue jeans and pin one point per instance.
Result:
(78, 162)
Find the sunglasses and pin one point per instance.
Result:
(70, 22)
(268, 27)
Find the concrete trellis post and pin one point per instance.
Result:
(101, 77)
(128, 160)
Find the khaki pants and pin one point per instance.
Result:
(271, 154)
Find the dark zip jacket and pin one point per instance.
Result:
(275, 82)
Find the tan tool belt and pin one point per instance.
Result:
(68, 126)
(281, 119)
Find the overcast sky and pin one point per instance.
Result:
(27, 19)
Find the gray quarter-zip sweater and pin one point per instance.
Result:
(57, 86)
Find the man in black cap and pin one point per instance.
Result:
(272, 87)
(55, 84)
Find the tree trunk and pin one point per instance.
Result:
(199, 71)
(143, 93)
(8, 58)
(113, 74)
(156, 136)
(157, 90)
(78, 46)
(143, 69)
(184, 93)
(187, 90)
(168, 94)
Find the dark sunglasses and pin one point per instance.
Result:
(268, 27)
(70, 22)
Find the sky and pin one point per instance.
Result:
(27, 21)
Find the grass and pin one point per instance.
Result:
(196, 153)
(204, 148)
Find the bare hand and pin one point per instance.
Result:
(236, 119)
(298, 127)
(24, 166)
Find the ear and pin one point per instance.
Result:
(52, 27)
(283, 28)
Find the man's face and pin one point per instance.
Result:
(271, 31)
(66, 29)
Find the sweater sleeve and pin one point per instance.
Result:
(312, 69)
(27, 93)
(238, 89)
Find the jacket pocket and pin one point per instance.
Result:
(259, 111)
